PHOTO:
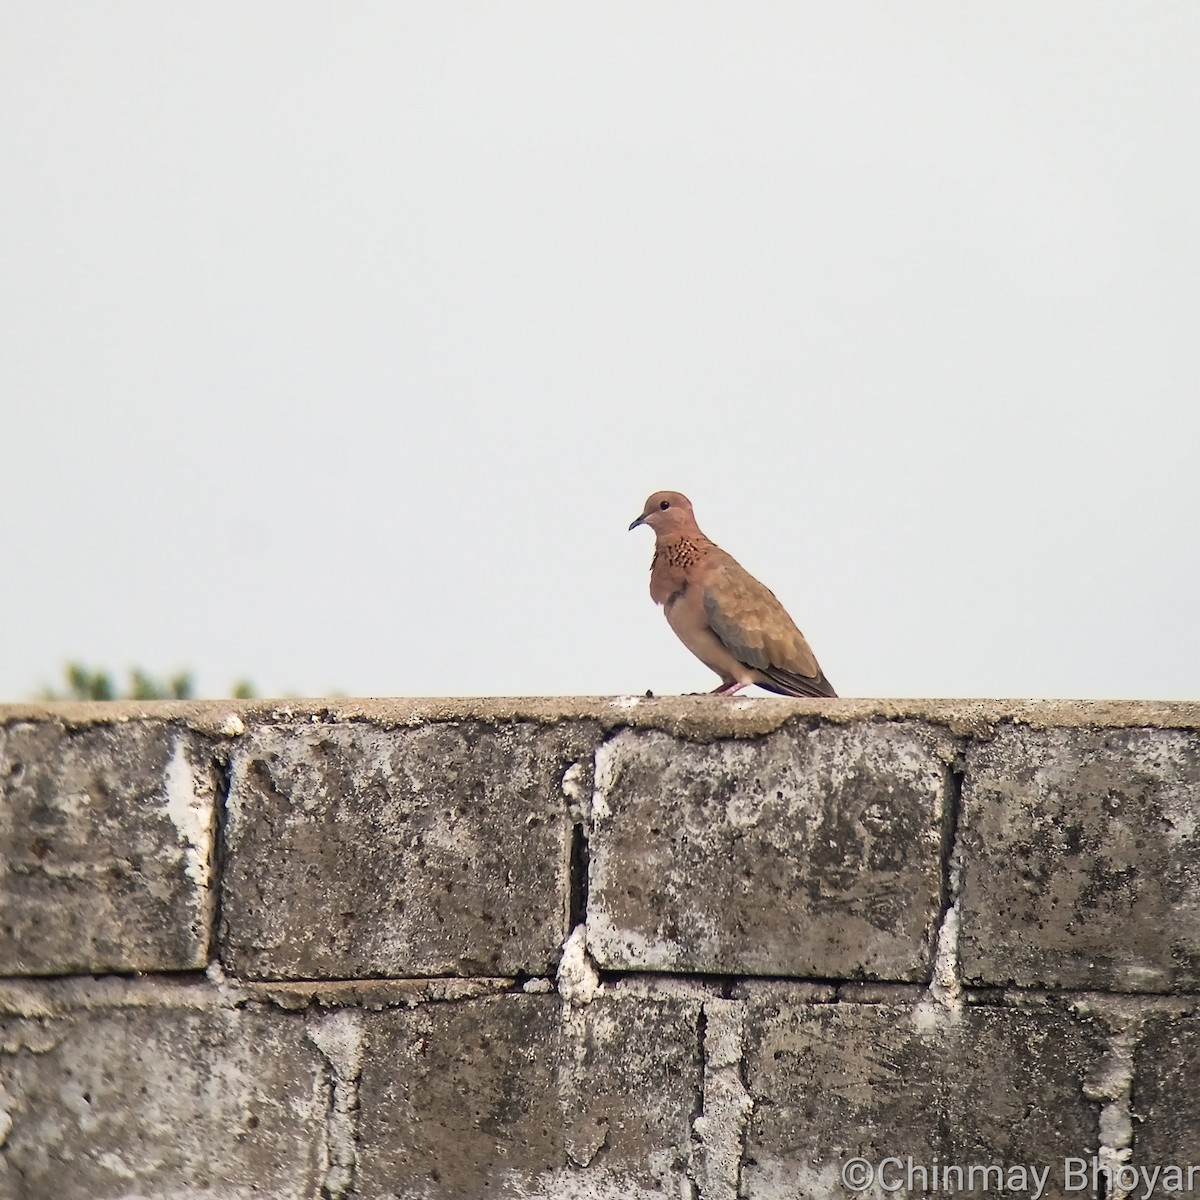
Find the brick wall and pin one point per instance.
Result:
(596, 948)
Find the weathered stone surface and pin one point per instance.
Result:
(386, 841)
(161, 1103)
(514, 1096)
(1166, 1096)
(105, 849)
(457, 1097)
(359, 852)
(808, 852)
(1081, 860)
(831, 1082)
(372, 993)
(630, 1080)
(698, 718)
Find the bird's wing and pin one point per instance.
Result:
(755, 627)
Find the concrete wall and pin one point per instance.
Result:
(610, 948)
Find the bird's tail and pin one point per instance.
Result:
(788, 683)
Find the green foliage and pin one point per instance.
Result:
(143, 687)
(84, 683)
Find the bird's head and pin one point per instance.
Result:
(667, 513)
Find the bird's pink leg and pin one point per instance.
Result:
(727, 689)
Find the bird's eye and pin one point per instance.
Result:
(665, 505)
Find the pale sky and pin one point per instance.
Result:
(342, 341)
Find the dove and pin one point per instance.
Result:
(732, 623)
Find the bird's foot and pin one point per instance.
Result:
(727, 689)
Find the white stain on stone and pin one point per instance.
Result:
(720, 1130)
(339, 1037)
(229, 995)
(608, 754)
(596, 1183)
(191, 814)
(1137, 977)
(785, 1180)
(1111, 1083)
(942, 1003)
(232, 726)
(745, 808)
(578, 979)
(632, 949)
(116, 1165)
(574, 787)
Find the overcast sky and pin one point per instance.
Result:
(341, 342)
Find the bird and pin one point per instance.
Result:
(732, 623)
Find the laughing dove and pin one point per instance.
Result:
(720, 612)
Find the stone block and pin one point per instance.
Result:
(1081, 860)
(811, 852)
(630, 1081)
(356, 851)
(105, 848)
(1166, 1099)
(832, 1082)
(515, 1096)
(158, 1103)
(459, 1098)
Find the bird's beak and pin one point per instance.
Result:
(640, 521)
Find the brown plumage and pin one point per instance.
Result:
(720, 612)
